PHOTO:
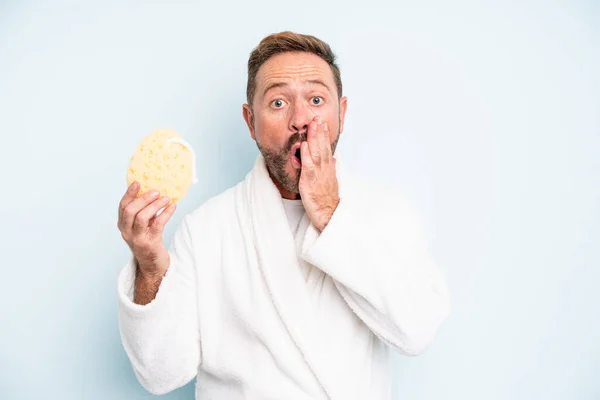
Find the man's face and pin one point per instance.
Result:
(291, 89)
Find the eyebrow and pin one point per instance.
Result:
(284, 84)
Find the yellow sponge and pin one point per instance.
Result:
(163, 161)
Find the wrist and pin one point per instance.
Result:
(326, 215)
(149, 276)
(152, 271)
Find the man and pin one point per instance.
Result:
(294, 283)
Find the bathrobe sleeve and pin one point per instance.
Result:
(376, 252)
(161, 338)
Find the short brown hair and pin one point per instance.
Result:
(293, 42)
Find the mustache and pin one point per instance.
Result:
(297, 137)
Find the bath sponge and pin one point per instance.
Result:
(165, 162)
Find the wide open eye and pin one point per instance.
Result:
(278, 103)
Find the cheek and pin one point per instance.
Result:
(333, 124)
(271, 129)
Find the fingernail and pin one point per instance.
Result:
(164, 199)
(153, 193)
(313, 125)
(325, 128)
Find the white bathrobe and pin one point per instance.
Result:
(256, 314)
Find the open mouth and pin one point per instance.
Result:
(297, 157)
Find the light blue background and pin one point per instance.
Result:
(486, 114)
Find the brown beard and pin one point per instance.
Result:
(277, 159)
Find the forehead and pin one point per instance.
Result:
(296, 66)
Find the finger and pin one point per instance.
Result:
(325, 144)
(128, 197)
(308, 166)
(142, 220)
(135, 207)
(313, 142)
(160, 221)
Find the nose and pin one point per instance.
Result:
(301, 116)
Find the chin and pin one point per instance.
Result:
(293, 179)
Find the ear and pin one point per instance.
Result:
(343, 106)
(249, 118)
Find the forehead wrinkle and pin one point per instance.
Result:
(284, 81)
(281, 73)
(308, 74)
